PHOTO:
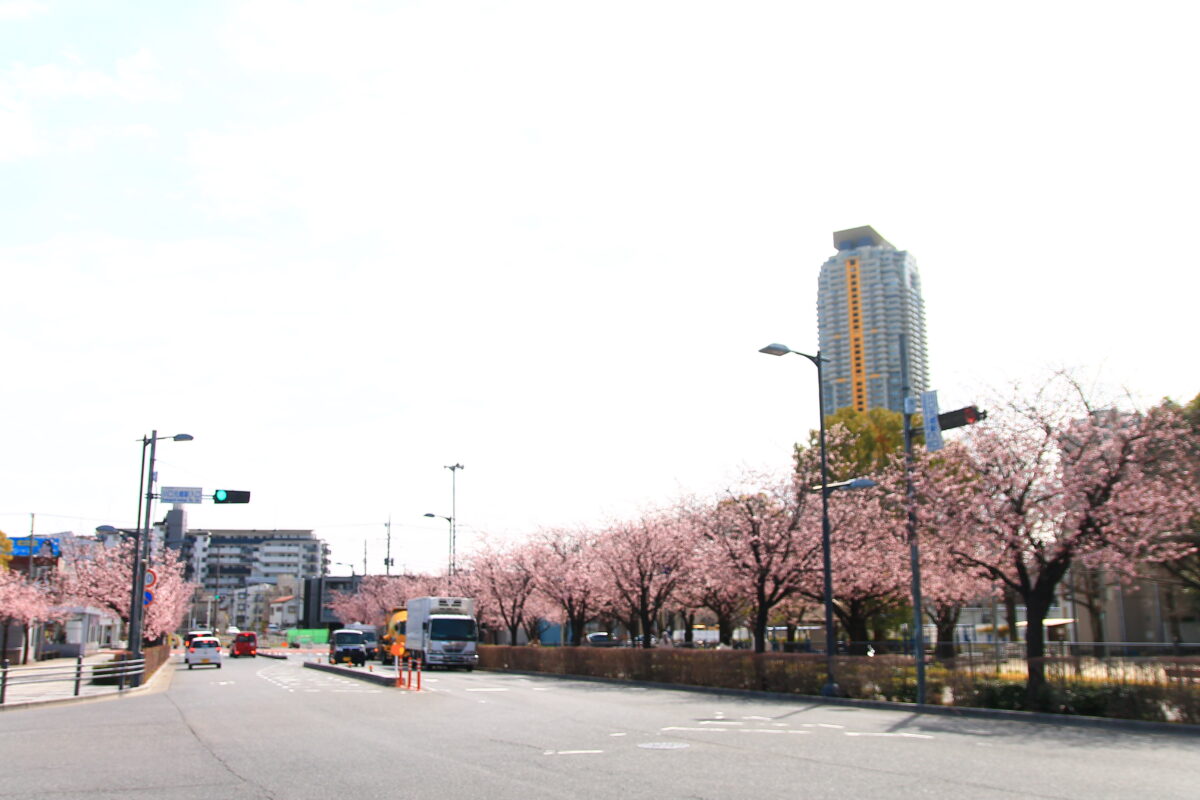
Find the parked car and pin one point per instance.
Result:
(347, 645)
(601, 639)
(204, 650)
(244, 644)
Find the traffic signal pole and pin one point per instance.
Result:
(914, 550)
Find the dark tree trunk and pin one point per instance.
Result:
(631, 624)
(725, 629)
(647, 624)
(1010, 613)
(577, 623)
(1037, 604)
(689, 621)
(1093, 601)
(761, 612)
(854, 621)
(946, 621)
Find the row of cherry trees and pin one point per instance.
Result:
(1047, 484)
(93, 574)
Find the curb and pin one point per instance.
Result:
(1177, 728)
(371, 677)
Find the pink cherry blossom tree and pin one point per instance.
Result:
(502, 581)
(172, 597)
(643, 563)
(568, 577)
(756, 543)
(23, 602)
(102, 576)
(1054, 481)
(870, 563)
(98, 575)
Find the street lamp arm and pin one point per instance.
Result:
(777, 349)
(853, 483)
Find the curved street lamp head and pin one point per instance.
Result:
(777, 349)
(106, 529)
(182, 437)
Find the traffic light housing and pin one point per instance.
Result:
(230, 496)
(961, 416)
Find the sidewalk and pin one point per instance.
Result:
(61, 689)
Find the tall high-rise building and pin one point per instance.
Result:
(869, 295)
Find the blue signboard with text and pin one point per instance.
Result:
(43, 547)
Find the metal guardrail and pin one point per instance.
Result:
(124, 672)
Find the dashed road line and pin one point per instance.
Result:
(885, 734)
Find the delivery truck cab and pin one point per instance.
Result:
(442, 632)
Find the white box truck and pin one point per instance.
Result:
(442, 632)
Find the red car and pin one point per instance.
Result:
(244, 644)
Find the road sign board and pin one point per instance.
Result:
(180, 494)
(929, 417)
(147, 598)
(151, 578)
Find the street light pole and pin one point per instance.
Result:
(830, 689)
(141, 545)
(454, 468)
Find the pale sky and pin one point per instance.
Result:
(347, 244)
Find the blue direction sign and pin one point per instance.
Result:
(929, 416)
(148, 598)
(180, 494)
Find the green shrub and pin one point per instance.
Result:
(1009, 695)
(1120, 701)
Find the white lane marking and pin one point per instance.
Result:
(720, 722)
(664, 745)
(733, 730)
(618, 734)
(901, 735)
(570, 752)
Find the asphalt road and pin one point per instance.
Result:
(259, 728)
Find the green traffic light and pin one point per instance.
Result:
(219, 495)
